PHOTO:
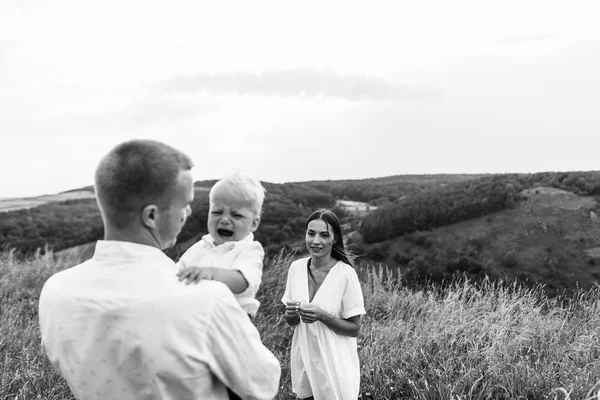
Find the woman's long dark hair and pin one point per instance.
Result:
(338, 250)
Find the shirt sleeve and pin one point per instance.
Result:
(47, 309)
(238, 358)
(352, 299)
(287, 295)
(250, 263)
(192, 256)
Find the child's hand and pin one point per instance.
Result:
(195, 274)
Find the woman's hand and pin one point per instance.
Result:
(291, 308)
(291, 313)
(310, 313)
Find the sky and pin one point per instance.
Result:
(286, 92)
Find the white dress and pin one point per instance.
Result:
(325, 364)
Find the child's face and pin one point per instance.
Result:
(230, 219)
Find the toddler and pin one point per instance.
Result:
(229, 253)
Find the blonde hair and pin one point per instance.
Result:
(244, 187)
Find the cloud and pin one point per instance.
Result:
(9, 44)
(134, 115)
(300, 83)
(7, 47)
(530, 37)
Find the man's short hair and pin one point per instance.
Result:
(135, 174)
(242, 187)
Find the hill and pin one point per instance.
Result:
(550, 236)
(72, 218)
(13, 204)
(387, 189)
(532, 227)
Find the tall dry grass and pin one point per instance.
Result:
(459, 342)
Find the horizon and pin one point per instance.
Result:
(286, 94)
(196, 181)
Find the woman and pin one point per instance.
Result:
(324, 303)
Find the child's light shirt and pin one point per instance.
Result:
(245, 255)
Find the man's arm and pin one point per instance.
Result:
(239, 358)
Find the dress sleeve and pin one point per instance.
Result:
(352, 299)
(250, 263)
(236, 354)
(287, 296)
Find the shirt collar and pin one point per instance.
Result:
(116, 250)
(210, 241)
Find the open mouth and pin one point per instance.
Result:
(225, 232)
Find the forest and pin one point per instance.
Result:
(57, 225)
(406, 203)
(61, 225)
(440, 206)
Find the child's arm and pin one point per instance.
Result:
(245, 273)
(249, 263)
(231, 277)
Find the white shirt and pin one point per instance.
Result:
(245, 255)
(121, 326)
(323, 363)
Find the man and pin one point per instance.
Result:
(121, 325)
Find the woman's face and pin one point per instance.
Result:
(319, 238)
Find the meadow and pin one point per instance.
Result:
(459, 341)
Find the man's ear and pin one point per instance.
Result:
(149, 214)
(255, 224)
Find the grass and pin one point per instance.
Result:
(460, 342)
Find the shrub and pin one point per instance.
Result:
(420, 238)
(402, 258)
(510, 259)
(420, 265)
(378, 251)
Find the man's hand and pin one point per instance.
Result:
(195, 274)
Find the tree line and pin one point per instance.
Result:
(57, 225)
(439, 206)
(406, 204)
(61, 225)
(377, 191)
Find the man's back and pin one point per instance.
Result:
(121, 326)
